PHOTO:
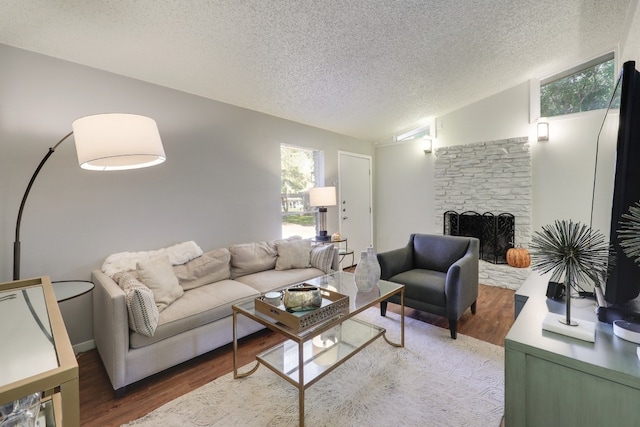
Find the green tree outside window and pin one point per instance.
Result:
(586, 90)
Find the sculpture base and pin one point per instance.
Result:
(583, 330)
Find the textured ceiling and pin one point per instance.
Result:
(364, 68)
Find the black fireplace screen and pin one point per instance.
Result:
(495, 232)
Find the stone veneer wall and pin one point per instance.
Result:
(493, 176)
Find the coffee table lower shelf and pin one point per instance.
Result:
(321, 354)
(313, 352)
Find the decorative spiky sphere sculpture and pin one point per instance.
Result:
(629, 233)
(572, 250)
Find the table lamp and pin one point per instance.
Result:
(321, 197)
(104, 142)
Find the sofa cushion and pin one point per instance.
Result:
(293, 254)
(197, 307)
(423, 285)
(158, 275)
(247, 258)
(271, 280)
(211, 267)
(141, 307)
(322, 257)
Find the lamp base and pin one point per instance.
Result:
(323, 236)
(583, 330)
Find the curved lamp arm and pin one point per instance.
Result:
(16, 243)
(112, 141)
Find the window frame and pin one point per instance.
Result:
(317, 178)
(537, 84)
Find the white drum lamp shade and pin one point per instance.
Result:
(117, 141)
(321, 197)
(104, 142)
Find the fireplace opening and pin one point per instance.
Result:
(495, 232)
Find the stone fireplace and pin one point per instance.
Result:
(490, 177)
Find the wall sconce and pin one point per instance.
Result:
(543, 131)
(427, 145)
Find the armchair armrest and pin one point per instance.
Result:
(461, 285)
(395, 262)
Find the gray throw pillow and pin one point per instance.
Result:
(322, 257)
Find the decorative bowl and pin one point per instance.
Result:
(302, 298)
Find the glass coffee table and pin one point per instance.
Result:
(312, 353)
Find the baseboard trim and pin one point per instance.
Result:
(84, 346)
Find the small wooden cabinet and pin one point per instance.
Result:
(36, 354)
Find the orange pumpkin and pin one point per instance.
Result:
(518, 257)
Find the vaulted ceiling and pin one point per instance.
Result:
(363, 68)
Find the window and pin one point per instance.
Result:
(300, 169)
(584, 88)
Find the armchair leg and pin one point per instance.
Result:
(383, 308)
(473, 307)
(453, 328)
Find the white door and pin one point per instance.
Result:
(355, 201)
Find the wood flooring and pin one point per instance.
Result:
(99, 406)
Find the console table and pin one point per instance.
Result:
(36, 355)
(551, 379)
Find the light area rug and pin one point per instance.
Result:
(432, 381)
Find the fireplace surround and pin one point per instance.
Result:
(489, 176)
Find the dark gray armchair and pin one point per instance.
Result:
(440, 274)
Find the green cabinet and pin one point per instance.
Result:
(554, 380)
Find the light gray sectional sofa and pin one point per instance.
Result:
(156, 309)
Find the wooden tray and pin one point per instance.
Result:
(333, 304)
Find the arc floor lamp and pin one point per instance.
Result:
(104, 142)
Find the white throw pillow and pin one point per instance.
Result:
(322, 257)
(293, 254)
(158, 275)
(141, 307)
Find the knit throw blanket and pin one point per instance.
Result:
(127, 261)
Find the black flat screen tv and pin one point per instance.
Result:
(623, 282)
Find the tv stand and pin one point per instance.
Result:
(608, 313)
(555, 380)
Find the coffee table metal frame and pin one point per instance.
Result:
(348, 335)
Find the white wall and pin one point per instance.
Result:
(562, 168)
(501, 116)
(630, 46)
(404, 194)
(220, 184)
